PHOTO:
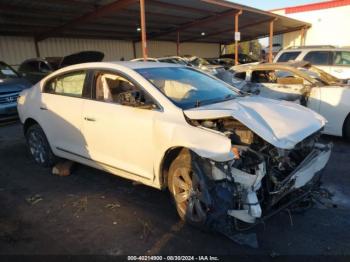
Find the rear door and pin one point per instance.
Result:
(61, 111)
(341, 65)
(277, 84)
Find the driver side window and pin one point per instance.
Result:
(113, 88)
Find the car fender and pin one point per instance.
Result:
(206, 143)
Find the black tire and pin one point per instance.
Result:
(346, 128)
(38, 146)
(189, 191)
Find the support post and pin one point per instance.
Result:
(134, 48)
(178, 44)
(37, 50)
(143, 29)
(271, 41)
(302, 36)
(236, 31)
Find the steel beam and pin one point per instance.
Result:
(227, 30)
(199, 22)
(99, 12)
(236, 31)
(271, 40)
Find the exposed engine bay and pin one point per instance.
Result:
(261, 178)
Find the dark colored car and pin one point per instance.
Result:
(227, 63)
(242, 58)
(11, 84)
(35, 69)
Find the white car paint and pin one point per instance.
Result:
(330, 101)
(270, 119)
(341, 71)
(132, 142)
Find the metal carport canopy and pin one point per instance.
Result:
(120, 19)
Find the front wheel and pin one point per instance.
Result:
(346, 128)
(39, 147)
(189, 190)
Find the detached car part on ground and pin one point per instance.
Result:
(11, 84)
(302, 83)
(35, 69)
(226, 159)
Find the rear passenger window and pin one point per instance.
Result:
(71, 84)
(318, 57)
(342, 58)
(285, 57)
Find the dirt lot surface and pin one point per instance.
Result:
(92, 212)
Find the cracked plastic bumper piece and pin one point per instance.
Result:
(301, 176)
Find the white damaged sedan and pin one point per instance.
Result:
(227, 159)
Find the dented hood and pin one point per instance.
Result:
(281, 123)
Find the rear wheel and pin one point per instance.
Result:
(189, 190)
(39, 147)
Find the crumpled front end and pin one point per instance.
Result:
(261, 179)
(271, 186)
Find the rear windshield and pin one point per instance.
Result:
(285, 57)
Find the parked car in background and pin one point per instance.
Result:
(302, 83)
(227, 63)
(204, 65)
(11, 84)
(242, 58)
(276, 47)
(35, 69)
(174, 60)
(334, 61)
(167, 59)
(227, 159)
(148, 59)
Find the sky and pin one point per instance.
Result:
(273, 4)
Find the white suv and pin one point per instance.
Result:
(335, 61)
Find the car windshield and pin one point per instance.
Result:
(186, 87)
(7, 72)
(320, 76)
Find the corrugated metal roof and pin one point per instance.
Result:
(86, 19)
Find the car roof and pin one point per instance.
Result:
(252, 66)
(139, 65)
(316, 49)
(291, 66)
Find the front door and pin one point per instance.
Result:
(117, 135)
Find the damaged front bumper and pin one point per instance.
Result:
(249, 185)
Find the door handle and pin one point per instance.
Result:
(90, 119)
(43, 108)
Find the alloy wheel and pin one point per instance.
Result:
(188, 195)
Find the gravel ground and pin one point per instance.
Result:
(92, 212)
